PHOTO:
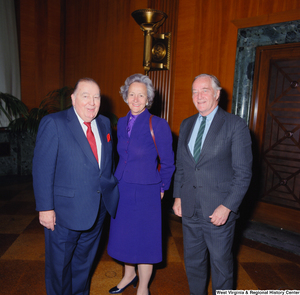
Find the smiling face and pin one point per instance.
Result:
(205, 98)
(86, 100)
(137, 97)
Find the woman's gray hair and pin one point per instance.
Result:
(140, 79)
(215, 83)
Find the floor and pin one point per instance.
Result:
(258, 266)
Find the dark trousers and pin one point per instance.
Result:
(69, 257)
(201, 237)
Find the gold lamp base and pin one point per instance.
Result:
(156, 47)
(161, 45)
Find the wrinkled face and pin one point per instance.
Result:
(204, 96)
(86, 100)
(137, 97)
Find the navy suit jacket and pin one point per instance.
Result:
(223, 171)
(66, 175)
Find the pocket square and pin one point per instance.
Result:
(108, 137)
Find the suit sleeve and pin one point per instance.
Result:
(241, 164)
(164, 140)
(44, 162)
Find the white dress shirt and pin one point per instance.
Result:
(96, 134)
(209, 119)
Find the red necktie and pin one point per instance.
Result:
(91, 139)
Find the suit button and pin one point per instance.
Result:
(194, 186)
(98, 192)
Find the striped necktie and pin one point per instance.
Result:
(197, 146)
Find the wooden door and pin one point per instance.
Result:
(275, 122)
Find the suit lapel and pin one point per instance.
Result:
(190, 127)
(214, 129)
(79, 135)
(103, 137)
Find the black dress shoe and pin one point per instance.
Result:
(116, 290)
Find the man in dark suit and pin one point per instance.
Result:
(213, 172)
(74, 186)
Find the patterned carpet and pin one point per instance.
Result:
(22, 255)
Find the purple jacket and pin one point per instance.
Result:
(138, 156)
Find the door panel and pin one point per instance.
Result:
(281, 148)
(275, 122)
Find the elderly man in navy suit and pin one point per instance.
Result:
(74, 187)
(213, 172)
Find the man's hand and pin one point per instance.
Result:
(162, 195)
(47, 219)
(220, 215)
(177, 207)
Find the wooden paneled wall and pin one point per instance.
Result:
(40, 48)
(64, 40)
(105, 43)
(206, 42)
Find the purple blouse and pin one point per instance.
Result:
(130, 123)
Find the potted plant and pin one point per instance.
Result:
(12, 107)
(23, 126)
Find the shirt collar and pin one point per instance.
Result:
(211, 115)
(82, 122)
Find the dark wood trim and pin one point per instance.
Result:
(282, 217)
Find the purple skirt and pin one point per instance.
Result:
(135, 234)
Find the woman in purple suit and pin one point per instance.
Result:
(135, 234)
